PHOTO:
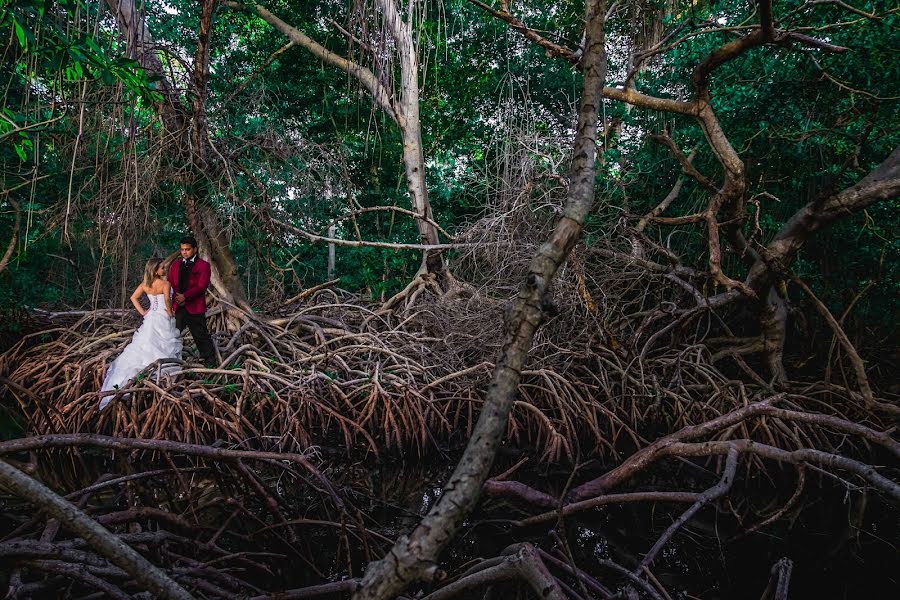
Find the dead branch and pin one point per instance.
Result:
(256, 72)
(858, 367)
(779, 581)
(713, 493)
(521, 561)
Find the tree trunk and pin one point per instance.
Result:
(189, 135)
(413, 557)
(773, 322)
(403, 110)
(140, 46)
(409, 121)
(212, 239)
(213, 243)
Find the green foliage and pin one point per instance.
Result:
(806, 123)
(312, 146)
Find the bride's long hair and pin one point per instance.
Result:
(150, 270)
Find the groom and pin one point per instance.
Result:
(189, 278)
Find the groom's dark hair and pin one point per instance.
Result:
(189, 239)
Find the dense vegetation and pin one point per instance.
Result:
(723, 266)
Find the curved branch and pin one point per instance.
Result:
(368, 79)
(713, 493)
(572, 56)
(880, 184)
(687, 166)
(313, 237)
(796, 457)
(522, 561)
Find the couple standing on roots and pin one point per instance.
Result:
(177, 301)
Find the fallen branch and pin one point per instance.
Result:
(521, 561)
(713, 493)
(107, 544)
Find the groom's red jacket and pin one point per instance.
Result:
(195, 294)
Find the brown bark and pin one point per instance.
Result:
(414, 557)
(204, 222)
(773, 262)
(520, 561)
(727, 197)
(640, 459)
(713, 493)
(773, 322)
(518, 25)
(858, 366)
(726, 212)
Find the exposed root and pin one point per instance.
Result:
(342, 373)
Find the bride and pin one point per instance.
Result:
(157, 336)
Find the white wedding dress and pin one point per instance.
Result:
(156, 338)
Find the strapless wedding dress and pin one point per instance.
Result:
(156, 338)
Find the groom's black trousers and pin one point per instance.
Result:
(197, 325)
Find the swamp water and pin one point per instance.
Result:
(843, 544)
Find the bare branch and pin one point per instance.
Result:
(880, 184)
(686, 166)
(312, 237)
(522, 561)
(713, 493)
(256, 72)
(516, 24)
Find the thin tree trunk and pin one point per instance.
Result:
(4, 261)
(189, 135)
(414, 557)
(140, 46)
(203, 220)
(332, 254)
(409, 121)
(773, 322)
(402, 109)
(213, 243)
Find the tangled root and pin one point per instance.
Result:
(340, 372)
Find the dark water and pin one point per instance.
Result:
(843, 543)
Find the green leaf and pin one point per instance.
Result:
(20, 33)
